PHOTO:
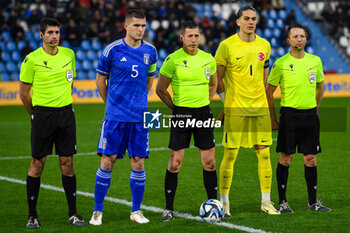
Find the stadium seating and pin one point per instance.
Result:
(29, 36)
(91, 74)
(78, 66)
(14, 77)
(85, 45)
(5, 56)
(16, 56)
(282, 14)
(66, 44)
(6, 36)
(80, 55)
(95, 63)
(5, 77)
(11, 67)
(11, 46)
(2, 45)
(21, 44)
(86, 65)
(96, 45)
(279, 23)
(274, 42)
(88, 51)
(91, 55)
(162, 54)
(2, 67)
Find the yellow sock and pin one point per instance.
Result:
(264, 169)
(226, 170)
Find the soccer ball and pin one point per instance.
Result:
(211, 211)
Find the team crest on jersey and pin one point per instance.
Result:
(69, 75)
(207, 73)
(312, 77)
(261, 56)
(146, 58)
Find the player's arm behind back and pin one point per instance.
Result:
(101, 85)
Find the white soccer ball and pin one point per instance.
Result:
(212, 211)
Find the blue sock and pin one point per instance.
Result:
(103, 180)
(137, 185)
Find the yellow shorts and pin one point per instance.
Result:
(247, 131)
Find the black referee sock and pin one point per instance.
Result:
(170, 189)
(70, 187)
(210, 183)
(33, 186)
(311, 182)
(282, 179)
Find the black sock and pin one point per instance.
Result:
(170, 189)
(282, 179)
(210, 184)
(311, 182)
(70, 188)
(33, 186)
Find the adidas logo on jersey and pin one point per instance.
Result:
(123, 59)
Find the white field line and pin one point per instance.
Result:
(149, 208)
(94, 153)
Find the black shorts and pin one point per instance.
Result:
(53, 126)
(184, 124)
(298, 128)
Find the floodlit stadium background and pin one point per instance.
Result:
(87, 27)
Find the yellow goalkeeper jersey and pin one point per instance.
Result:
(244, 76)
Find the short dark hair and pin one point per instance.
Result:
(244, 8)
(134, 13)
(296, 25)
(188, 24)
(45, 22)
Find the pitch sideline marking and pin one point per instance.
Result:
(149, 208)
(94, 153)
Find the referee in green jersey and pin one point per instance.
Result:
(300, 76)
(192, 75)
(49, 72)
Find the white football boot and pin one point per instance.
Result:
(96, 218)
(138, 217)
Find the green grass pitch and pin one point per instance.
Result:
(333, 181)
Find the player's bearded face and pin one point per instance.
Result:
(136, 28)
(51, 37)
(247, 22)
(190, 39)
(297, 38)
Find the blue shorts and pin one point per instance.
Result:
(116, 137)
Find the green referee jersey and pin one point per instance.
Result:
(297, 79)
(51, 76)
(190, 77)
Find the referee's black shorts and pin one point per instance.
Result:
(298, 128)
(180, 134)
(53, 126)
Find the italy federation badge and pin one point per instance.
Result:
(146, 58)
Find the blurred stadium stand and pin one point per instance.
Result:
(329, 22)
(88, 26)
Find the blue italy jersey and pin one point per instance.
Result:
(127, 69)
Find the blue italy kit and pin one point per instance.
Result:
(127, 70)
